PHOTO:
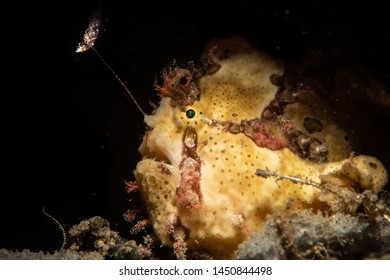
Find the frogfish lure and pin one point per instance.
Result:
(92, 32)
(90, 35)
(88, 43)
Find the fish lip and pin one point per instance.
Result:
(158, 155)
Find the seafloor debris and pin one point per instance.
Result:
(91, 239)
(306, 235)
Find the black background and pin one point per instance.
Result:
(72, 134)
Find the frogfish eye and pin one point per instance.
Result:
(190, 113)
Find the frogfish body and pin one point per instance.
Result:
(215, 126)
